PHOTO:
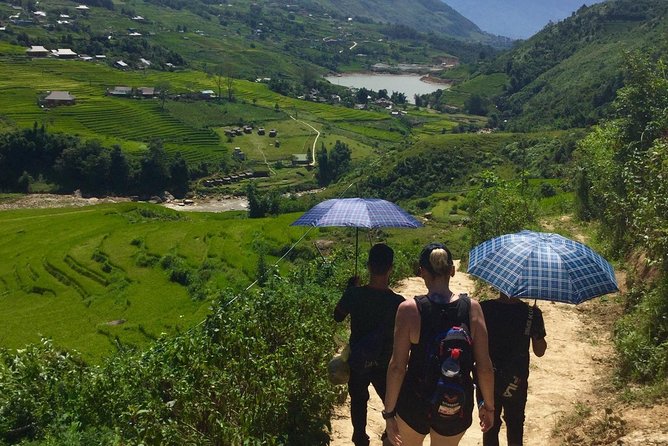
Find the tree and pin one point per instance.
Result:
(362, 95)
(255, 205)
(119, 171)
(163, 88)
(154, 170)
(229, 82)
(25, 182)
(323, 174)
(497, 207)
(475, 105)
(398, 98)
(339, 160)
(179, 176)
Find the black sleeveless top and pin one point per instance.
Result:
(432, 317)
(413, 405)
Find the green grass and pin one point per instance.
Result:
(68, 273)
(488, 85)
(195, 128)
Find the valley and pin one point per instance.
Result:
(154, 154)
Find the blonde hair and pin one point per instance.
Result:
(440, 261)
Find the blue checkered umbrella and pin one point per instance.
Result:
(541, 265)
(358, 213)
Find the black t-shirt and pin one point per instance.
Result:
(369, 309)
(507, 325)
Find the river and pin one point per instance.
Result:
(408, 84)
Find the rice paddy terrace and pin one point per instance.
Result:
(193, 127)
(99, 277)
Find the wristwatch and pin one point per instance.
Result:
(390, 414)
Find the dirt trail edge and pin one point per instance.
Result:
(558, 381)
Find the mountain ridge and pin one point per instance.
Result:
(568, 74)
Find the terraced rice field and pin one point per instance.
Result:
(132, 123)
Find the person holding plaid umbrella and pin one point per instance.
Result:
(535, 265)
(372, 309)
(512, 325)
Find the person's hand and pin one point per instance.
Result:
(486, 418)
(354, 281)
(392, 429)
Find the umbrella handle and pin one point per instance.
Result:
(357, 240)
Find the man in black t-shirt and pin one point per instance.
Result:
(511, 325)
(372, 309)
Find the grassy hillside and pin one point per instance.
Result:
(568, 74)
(442, 18)
(92, 277)
(193, 127)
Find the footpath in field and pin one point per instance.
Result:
(562, 378)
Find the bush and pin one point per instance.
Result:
(253, 373)
(641, 336)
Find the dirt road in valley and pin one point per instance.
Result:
(558, 381)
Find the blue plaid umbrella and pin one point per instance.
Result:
(541, 265)
(358, 213)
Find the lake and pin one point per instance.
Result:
(408, 84)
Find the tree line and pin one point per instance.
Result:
(32, 156)
(621, 184)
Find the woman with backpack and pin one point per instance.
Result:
(439, 339)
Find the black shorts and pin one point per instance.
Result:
(415, 410)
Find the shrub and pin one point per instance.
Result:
(253, 373)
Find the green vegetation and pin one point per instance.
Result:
(243, 376)
(91, 278)
(620, 182)
(567, 75)
(140, 325)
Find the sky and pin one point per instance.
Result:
(518, 19)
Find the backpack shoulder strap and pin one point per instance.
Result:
(464, 311)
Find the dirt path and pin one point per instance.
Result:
(558, 381)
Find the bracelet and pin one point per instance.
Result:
(390, 414)
(483, 406)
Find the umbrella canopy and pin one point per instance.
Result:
(357, 213)
(542, 265)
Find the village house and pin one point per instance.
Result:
(300, 159)
(146, 92)
(56, 98)
(145, 62)
(122, 65)
(37, 51)
(238, 154)
(207, 94)
(273, 133)
(120, 91)
(64, 53)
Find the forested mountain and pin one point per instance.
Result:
(568, 74)
(517, 19)
(441, 17)
(258, 39)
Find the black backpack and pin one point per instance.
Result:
(448, 363)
